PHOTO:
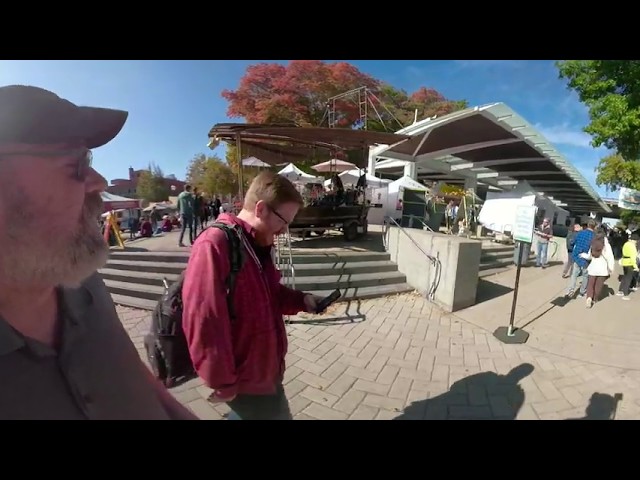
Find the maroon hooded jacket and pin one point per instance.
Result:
(246, 355)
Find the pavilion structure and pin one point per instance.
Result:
(489, 146)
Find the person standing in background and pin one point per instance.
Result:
(582, 244)
(198, 203)
(629, 264)
(570, 242)
(544, 234)
(601, 266)
(185, 207)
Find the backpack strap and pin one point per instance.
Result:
(235, 261)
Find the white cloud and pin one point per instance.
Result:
(565, 135)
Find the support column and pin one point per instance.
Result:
(371, 165)
(471, 184)
(470, 187)
(411, 170)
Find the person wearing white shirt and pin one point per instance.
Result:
(601, 266)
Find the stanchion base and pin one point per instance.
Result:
(517, 335)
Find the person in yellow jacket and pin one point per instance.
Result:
(629, 265)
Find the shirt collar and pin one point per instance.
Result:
(73, 304)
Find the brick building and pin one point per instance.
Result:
(127, 187)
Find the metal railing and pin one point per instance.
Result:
(284, 263)
(413, 218)
(284, 259)
(434, 260)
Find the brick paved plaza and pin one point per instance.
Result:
(400, 357)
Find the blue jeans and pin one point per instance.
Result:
(578, 271)
(187, 222)
(233, 416)
(541, 254)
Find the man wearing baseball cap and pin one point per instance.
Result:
(63, 352)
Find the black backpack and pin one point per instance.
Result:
(166, 344)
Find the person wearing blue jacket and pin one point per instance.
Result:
(570, 240)
(582, 244)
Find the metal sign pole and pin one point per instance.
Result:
(523, 235)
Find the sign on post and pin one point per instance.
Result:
(523, 234)
(524, 223)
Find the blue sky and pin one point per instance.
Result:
(174, 103)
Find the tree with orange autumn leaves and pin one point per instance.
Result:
(299, 91)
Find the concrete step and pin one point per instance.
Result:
(489, 255)
(131, 268)
(337, 258)
(349, 294)
(138, 276)
(329, 258)
(134, 302)
(490, 244)
(340, 268)
(136, 266)
(500, 263)
(493, 270)
(149, 287)
(164, 257)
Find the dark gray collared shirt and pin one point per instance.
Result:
(96, 374)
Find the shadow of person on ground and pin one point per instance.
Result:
(483, 396)
(602, 406)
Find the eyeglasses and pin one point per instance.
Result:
(275, 212)
(82, 156)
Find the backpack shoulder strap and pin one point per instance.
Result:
(235, 260)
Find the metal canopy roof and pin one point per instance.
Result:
(283, 143)
(495, 146)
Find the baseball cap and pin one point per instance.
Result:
(35, 116)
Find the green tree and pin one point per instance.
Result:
(615, 172)
(629, 217)
(196, 170)
(248, 174)
(611, 91)
(151, 185)
(211, 175)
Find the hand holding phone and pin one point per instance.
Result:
(323, 304)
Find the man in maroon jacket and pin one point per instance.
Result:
(243, 359)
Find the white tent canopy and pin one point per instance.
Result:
(388, 197)
(408, 183)
(334, 165)
(116, 202)
(295, 175)
(350, 177)
(254, 162)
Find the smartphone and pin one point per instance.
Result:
(327, 301)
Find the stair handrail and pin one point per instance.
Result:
(413, 217)
(434, 260)
(284, 246)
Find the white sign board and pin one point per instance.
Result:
(524, 223)
(629, 199)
